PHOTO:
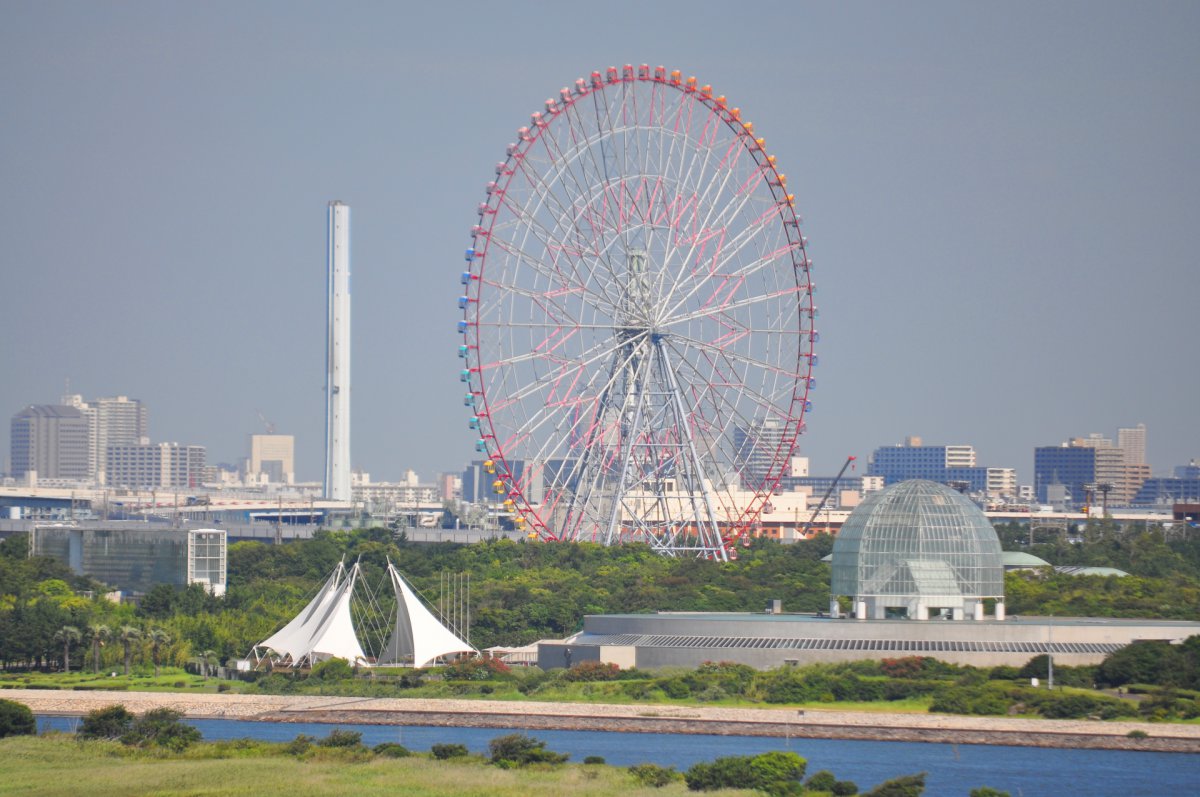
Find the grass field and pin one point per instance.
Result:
(56, 764)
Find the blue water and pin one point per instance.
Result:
(953, 770)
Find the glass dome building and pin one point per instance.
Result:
(917, 550)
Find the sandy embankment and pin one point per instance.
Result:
(810, 723)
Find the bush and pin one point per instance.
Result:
(593, 671)
(477, 670)
(676, 688)
(342, 738)
(332, 670)
(821, 781)
(1137, 734)
(16, 719)
(654, 776)
(844, 788)
(391, 750)
(594, 759)
(300, 745)
(444, 751)
(988, 791)
(775, 773)
(517, 749)
(903, 786)
(161, 727)
(110, 722)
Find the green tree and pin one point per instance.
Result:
(127, 635)
(67, 635)
(16, 719)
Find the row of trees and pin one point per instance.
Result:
(520, 592)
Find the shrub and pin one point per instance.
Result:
(1138, 734)
(654, 776)
(844, 788)
(594, 759)
(110, 722)
(391, 750)
(300, 745)
(161, 727)
(332, 670)
(342, 738)
(444, 751)
(517, 749)
(676, 688)
(476, 670)
(593, 671)
(988, 791)
(903, 786)
(775, 773)
(16, 719)
(821, 781)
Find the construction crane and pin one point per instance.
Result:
(825, 498)
(270, 426)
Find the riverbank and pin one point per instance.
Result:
(532, 716)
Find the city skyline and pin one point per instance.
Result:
(997, 207)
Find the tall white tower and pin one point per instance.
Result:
(337, 357)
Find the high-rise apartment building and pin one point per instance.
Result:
(914, 460)
(51, 441)
(116, 420)
(1133, 442)
(155, 466)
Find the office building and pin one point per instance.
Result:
(49, 441)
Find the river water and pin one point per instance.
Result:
(953, 770)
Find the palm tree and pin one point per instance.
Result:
(98, 633)
(128, 634)
(67, 634)
(158, 637)
(209, 657)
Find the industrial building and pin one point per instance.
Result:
(919, 564)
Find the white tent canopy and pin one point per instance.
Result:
(324, 629)
(291, 643)
(418, 638)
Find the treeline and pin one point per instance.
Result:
(519, 592)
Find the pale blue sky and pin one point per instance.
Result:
(1002, 200)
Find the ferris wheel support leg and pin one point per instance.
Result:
(709, 518)
(614, 517)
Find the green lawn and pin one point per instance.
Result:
(57, 765)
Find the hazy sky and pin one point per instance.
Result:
(1002, 201)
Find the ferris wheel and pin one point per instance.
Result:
(637, 328)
